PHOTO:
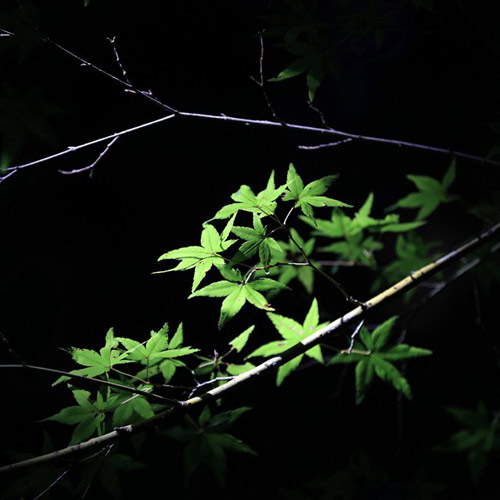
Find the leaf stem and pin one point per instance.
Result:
(320, 271)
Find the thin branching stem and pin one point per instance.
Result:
(98, 381)
(320, 271)
(94, 163)
(325, 131)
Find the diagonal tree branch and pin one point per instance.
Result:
(267, 366)
(324, 130)
(72, 149)
(267, 123)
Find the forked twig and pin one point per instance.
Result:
(326, 145)
(260, 81)
(324, 130)
(90, 167)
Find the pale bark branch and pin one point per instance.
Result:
(93, 164)
(325, 130)
(268, 365)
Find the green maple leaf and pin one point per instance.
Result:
(355, 249)
(479, 436)
(292, 332)
(96, 363)
(389, 224)
(374, 358)
(431, 193)
(412, 253)
(239, 342)
(255, 241)
(262, 204)
(342, 226)
(156, 349)
(237, 292)
(202, 257)
(309, 61)
(206, 445)
(311, 195)
(355, 246)
(86, 415)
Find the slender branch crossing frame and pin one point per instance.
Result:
(267, 366)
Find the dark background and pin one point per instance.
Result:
(77, 253)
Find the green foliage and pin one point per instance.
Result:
(206, 444)
(262, 204)
(479, 437)
(412, 253)
(97, 363)
(113, 405)
(303, 29)
(352, 244)
(431, 193)
(238, 288)
(88, 415)
(309, 196)
(373, 357)
(203, 257)
(218, 366)
(256, 240)
(309, 61)
(129, 393)
(292, 332)
(237, 293)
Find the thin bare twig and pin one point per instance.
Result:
(72, 149)
(209, 382)
(98, 381)
(12, 172)
(90, 167)
(147, 94)
(325, 130)
(327, 145)
(353, 337)
(320, 271)
(260, 81)
(51, 485)
(264, 123)
(318, 112)
(13, 353)
(112, 41)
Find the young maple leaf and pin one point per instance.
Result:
(255, 240)
(479, 436)
(237, 292)
(202, 257)
(292, 332)
(208, 444)
(431, 193)
(372, 357)
(262, 204)
(307, 197)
